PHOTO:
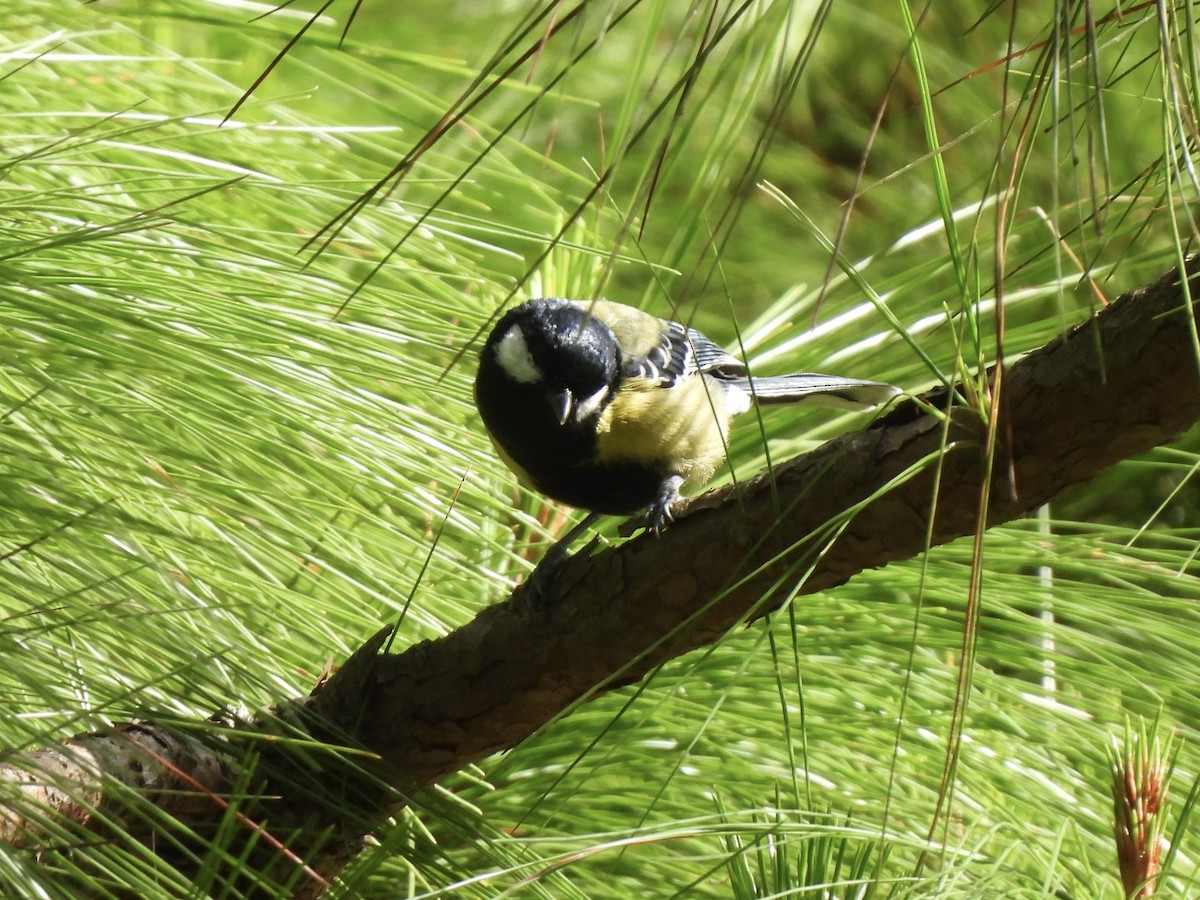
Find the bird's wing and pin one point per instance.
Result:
(680, 352)
(659, 351)
(710, 358)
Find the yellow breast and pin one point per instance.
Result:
(683, 429)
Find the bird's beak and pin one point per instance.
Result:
(563, 404)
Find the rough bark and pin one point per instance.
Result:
(68, 782)
(1123, 382)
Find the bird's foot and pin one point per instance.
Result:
(660, 515)
(537, 586)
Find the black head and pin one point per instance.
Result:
(558, 351)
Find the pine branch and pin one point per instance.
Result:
(1121, 383)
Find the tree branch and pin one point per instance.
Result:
(1121, 383)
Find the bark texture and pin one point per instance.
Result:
(68, 782)
(1122, 382)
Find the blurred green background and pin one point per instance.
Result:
(231, 432)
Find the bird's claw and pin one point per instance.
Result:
(660, 515)
(537, 586)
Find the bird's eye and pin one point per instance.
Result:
(513, 356)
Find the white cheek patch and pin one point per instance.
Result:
(586, 408)
(512, 353)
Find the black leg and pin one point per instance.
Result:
(659, 516)
(543, 575)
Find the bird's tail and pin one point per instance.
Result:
(823, 390)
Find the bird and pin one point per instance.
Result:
(610, 409)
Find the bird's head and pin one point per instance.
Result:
(562, 351)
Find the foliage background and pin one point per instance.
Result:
(226, 456)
